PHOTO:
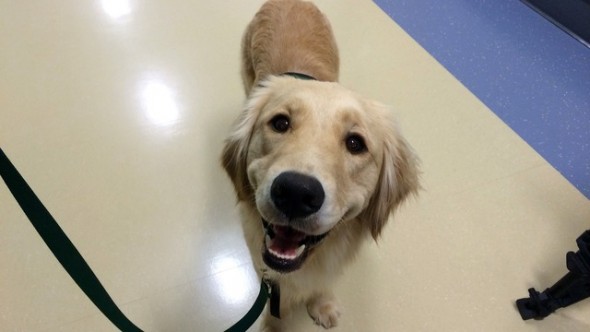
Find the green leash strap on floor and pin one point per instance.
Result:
(254, 312)
(61, 246)
(66, 253)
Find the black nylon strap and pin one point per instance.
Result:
(61, 246)
(275, 300)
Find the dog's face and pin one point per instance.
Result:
(312, 155)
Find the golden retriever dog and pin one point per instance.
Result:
(317, 168)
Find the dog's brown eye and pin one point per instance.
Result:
(280, 123)
(355, 144)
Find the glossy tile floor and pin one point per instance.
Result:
(116, 115)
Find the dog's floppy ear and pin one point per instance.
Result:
(398, 178)
(235, 151)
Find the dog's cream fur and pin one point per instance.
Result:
(361, 190)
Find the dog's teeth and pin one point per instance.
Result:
(267, 240)
(300, 250)
(279, 255)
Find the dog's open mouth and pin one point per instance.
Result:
(285, 248)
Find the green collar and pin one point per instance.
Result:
(300, 76)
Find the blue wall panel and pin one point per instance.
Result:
(534, 76)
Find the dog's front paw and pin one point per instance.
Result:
(324, 311)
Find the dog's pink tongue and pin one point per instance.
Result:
(286, 240)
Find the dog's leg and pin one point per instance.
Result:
(324, 310)
(273, 324)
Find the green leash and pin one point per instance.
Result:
(254, 312)
(69, 257)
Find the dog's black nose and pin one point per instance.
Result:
(297, 195)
